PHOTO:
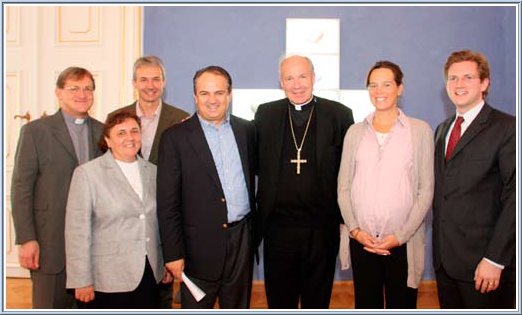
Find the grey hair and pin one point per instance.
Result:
(149, 61)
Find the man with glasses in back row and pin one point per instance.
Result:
(49, 149)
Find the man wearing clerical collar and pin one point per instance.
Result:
(300, 142)
(49, 149)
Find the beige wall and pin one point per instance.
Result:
(40, 42)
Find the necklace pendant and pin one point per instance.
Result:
(298, 162)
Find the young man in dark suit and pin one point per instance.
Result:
(205, 196)
(149, 80)
(300, 141)
(474, 201)
(49, 149)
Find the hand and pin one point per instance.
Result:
(377, 251)
(167, 277)
(387, 242)
(85, 294)
(368, 242)
(29, 255)
(487, 277)
(383, 246)
(363, 237)
(176, 268)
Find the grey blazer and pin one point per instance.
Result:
(44, 164)
(108, 229)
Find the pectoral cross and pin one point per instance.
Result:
(298, 161)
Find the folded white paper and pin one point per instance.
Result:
(197, 293)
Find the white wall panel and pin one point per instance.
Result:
(78, 25)
(43, 40)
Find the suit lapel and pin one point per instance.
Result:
(200, 145)
(278, 133)
(148, 194)
(61, 133)
(165, 121)
(94, 137)
(323, 125)
(475, 128)
(115, 175)
(440, 143)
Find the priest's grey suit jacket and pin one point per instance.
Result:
(44, 164)
(109, 229)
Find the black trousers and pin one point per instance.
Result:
(234, 288)
(299, 265)
(381, 281)
(460, 294)
(145, 296)
(165, 295)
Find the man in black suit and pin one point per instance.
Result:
(300, 142)
(474, 201)
(149, 81)
(206, 196)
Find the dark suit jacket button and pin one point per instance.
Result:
(225, 225)
(222, 199)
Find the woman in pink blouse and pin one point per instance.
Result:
(385, 188)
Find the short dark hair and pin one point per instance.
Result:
(215, 70)
(74, 73)
(474, 56)
(386, 64)
(112, 120)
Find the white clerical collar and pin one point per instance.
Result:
(74, 120)
(299, 107)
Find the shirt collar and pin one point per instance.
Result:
(402, 118)
(207, 124)
(471, 114)
(299, 106)
(140, 113)
(73, 120)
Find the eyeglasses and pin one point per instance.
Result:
(77, 89)
(466, 79)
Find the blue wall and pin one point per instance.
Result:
(249, 40)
